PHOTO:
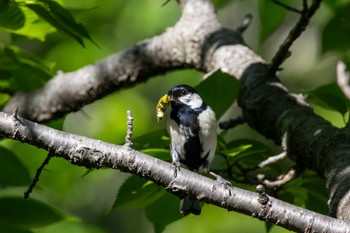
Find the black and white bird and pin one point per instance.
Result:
(193, 134)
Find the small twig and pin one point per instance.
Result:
(283, 52)
(281, 180)
(37, 175)
(225, 125)
(287, 7)
(343, 79)
(245, 23)
(273, 159)
(166, 2)
(128, 143)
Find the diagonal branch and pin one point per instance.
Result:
(283, 52)
(93, 153)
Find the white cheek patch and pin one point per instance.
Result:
(192, 100)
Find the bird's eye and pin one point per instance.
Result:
(183, 92)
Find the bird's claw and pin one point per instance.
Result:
(227, 184)
(175, 166)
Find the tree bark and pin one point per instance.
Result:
(91, 153)
(199, 41)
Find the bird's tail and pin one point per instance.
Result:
(190, 206)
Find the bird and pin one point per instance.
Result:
(192, 127)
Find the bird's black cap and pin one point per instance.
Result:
(181, 90)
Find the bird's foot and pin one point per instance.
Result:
(175, 166)
(227, 184)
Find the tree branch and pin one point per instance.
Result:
(197, 41)
(93, 153)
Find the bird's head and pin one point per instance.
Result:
(179, 95)
(184, 94)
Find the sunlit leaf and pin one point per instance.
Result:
(137, 192)
(237, 150)
(154, 139)
(61, 19)
(34, 27)
(219, 91)
(329, 97)
(163, 154)
(163, 212)
(12, 171)
(27, 213)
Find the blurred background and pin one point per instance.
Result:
(116, 25)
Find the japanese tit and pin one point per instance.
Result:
(193, 137)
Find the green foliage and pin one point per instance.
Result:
(13, 172)
(330, 97)
(137, 192)
(119, 24)
(308, 191)
(60, 18)
(11, 17)
(336, 34)
(21, 70)
(219, 91)
(163, 212)
(27, 213)
(268, 8)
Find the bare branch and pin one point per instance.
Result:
(245, 23)
(292, 9)
(283, 52)
(231, 123)
(281, 180)
(37, 175)
(93, 153)
(273, 159)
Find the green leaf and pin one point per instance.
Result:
(28, 213)
(154, 139)
(219, 91)
(22, 71)
(11, 17)
(308, 191)
(163, 154)
(271, 17)
(237, 150)
(163, 212)
(12, 229)
(34, 27)
(61, 19)
(336, 34)
(221, 3)
(137, 192)
(12, 171)
(329, 97)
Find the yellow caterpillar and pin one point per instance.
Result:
(161, 106)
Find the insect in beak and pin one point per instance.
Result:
(162, 105)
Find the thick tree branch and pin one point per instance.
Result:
(93, 153)
(194, 42)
